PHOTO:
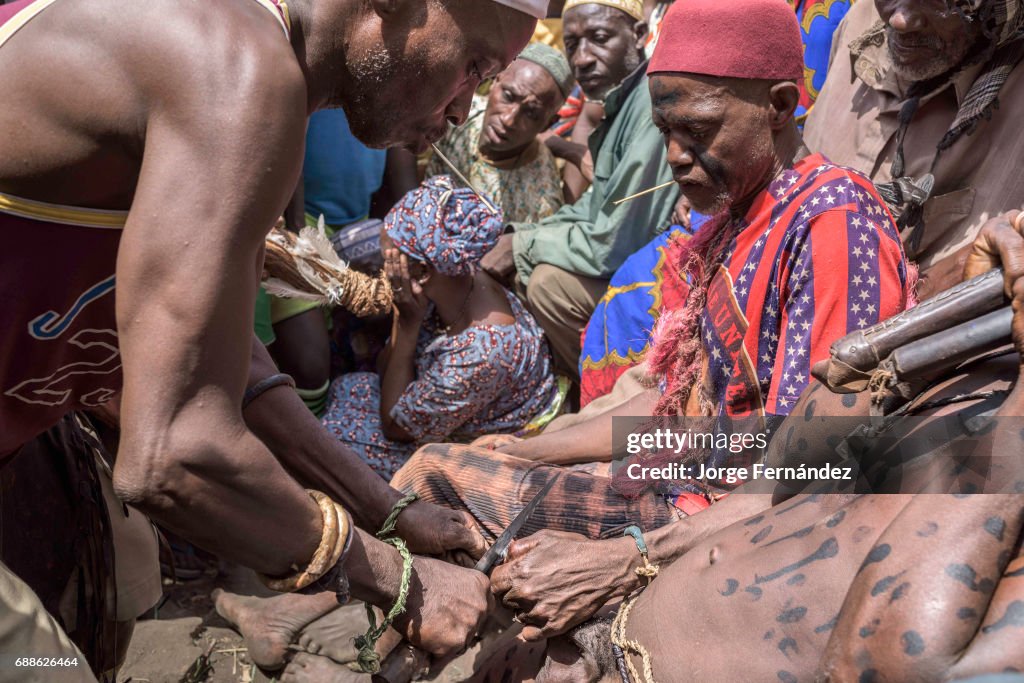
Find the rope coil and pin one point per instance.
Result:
(305, 266)
(367, 660)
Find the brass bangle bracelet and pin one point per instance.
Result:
(337, 529)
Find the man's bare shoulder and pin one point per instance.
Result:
(174, 51)
(219, 52)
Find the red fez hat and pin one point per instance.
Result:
(756, 39)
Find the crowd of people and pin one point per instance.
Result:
(591, 220)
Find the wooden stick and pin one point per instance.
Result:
(641, 194)
(463, 178)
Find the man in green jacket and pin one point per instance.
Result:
(562, 264)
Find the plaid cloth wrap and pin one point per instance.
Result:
(494, 488)
(448, 227)
(1002, 23)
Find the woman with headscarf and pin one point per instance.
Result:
(464, 358)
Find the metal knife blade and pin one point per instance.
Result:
(496, 551)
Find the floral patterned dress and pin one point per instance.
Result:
(489, 379)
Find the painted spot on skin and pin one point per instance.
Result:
(761, 535)
(965, 574)
(809, 411)
(877, 554)
(868, 676)
(861, 532)
(808, 499)
(1013, 618)
(836, 519)
(754, 521)
(869, 630)
(788, 644)
(796, 580)
(849, 400)
(799, 533)
(913, 643)
(928, 529)
(754, 591)
(884, 584)
(1014, 573)
(730, 587)
(791, 616)
(995, 526)
(786, 677)
(828, 549)
(828, 626)
(899, 592)
(769, 634)
(966, 613)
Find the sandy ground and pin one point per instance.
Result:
(172, 643)
(168, 645)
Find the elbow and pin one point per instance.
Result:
(147, 481)
(154, 475)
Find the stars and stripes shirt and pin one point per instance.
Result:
(819, 257)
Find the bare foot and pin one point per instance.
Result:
(333, 635)
(307, 668)
(269, 625)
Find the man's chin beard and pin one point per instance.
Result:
(944, 61)
(922, 72)
(722, 202)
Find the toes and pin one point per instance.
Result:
(308, 644)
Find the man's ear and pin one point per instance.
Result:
(783, 98)
(640, 33)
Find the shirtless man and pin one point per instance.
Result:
(159, 142)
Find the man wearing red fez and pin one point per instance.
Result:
(799, 253)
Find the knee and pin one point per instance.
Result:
(544, 291)
(421, 470)
(303, 349)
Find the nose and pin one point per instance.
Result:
(458, 109)
(508, 115)
(908, 17)
(679, 155)
(582, 59)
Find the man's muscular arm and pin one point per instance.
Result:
(222, 155)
